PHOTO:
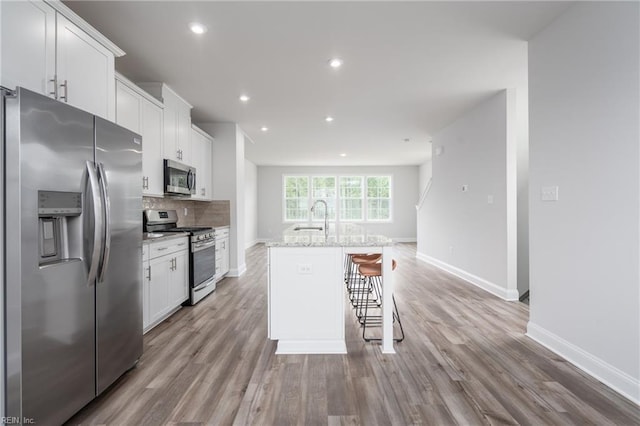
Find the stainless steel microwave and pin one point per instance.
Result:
(179, 179)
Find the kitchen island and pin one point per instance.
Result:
(306, 294)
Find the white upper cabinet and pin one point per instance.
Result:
(201, 149)
(85, 70)
(140, 112)
(28, 45)
(49, 49)
(177, 122)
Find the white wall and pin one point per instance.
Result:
(584, 137)
(229, 183)
(250, 204)
(404, 190)
(461, 231)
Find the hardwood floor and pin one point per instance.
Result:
(465, 360)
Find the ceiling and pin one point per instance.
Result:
(410, 68)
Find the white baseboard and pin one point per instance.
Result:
(289, 347)
(236, 272)
(618, 380)
(496, 290)
(404, 240)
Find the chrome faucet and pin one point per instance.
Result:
(326, 215)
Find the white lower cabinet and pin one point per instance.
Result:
(165, 280)
(222, 252)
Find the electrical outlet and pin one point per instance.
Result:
(465, 188)
(305, 268)
(549, 193)
(186, 211)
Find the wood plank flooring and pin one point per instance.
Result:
(465, 360)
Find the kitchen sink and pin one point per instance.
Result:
(308, 228)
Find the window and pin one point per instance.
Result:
(324, 188)
(349, 198)
(378, 198)
(296, 198)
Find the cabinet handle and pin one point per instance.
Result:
(149, 276)
(202, 192)
(54, 80)
(147, 187)
(66, 91)
(181, 244)
(161, 248)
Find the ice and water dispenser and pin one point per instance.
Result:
(58, 214)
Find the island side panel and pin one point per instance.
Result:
(306, 297)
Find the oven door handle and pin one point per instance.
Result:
(202, 246)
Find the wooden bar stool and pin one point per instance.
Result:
(372, 273)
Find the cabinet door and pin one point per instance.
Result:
(27, 45)
(180, 279)
(85, 70)
(146, 294)
(225, 256)
(152, 148)
(128, 108)
(183, 125)
(205, 174)
(159, 287)
(170, 143)
(197, 147)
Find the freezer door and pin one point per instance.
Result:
(119, 285)
(50, 307)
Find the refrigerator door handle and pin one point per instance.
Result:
(104, 186)
(99, 222)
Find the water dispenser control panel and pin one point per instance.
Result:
(56, 203)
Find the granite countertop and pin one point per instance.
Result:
(154, 237)
(347, 235)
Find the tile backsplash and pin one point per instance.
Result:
(199, 213)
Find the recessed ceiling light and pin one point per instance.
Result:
(244, 98)
(335, 62)
(343, 155)
(328, 119)
(197, 28)
(264, 128)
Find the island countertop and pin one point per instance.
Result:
(346, 235)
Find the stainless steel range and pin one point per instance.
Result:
(202, 256)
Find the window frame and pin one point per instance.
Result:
(338, 197)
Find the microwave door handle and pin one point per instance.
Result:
(189, 177)
(104, 186)
(99, 222)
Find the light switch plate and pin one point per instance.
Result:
(465, 188)
(549, 193)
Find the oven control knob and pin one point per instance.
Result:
(199, 237)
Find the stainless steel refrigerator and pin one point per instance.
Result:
(72, 256)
